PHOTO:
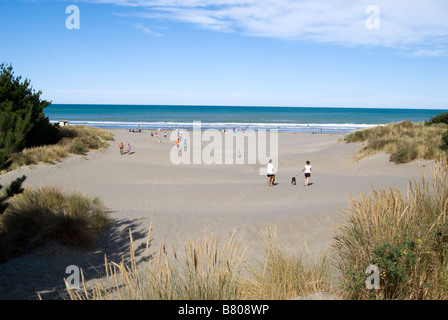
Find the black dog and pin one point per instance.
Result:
(293, 181)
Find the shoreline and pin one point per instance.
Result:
(333, 128)
(145, 188)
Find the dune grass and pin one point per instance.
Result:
(37, 215)
(285, 272)
(72, 140)
(405, 236)
(206, 270)
(203, 271)
(404, 141)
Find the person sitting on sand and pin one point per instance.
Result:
(270, 173)
(120, 146)
(307, 170)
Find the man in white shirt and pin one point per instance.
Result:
(270, 173)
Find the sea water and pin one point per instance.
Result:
(288, 119)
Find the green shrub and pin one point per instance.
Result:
(441, 118)
(22, 120)
(405, 236)
(11, 190)
(445, 141)
(77, 147)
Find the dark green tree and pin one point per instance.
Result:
(11, 190)
(22, 120)
(441, 118)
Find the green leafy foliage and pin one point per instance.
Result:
(22, 120)
(441, 118)
(445, 141)
(11, 190)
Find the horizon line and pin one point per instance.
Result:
(249, 106)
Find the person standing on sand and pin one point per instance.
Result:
(270, 173)
(120, 146)
(307, 170)
(129, 149)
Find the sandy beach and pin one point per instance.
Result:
(146, 188)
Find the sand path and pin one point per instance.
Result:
(145, 187)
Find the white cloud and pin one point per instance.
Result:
(404, 23)
(429, 53)
(147, 30)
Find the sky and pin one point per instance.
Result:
(303, 53)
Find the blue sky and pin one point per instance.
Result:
(232, 52)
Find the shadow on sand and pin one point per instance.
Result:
(44, 270)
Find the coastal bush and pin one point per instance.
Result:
(77, 147)
(441, 118)
(405, 236)
(72, 139)
(15, 187)
(37, 215)
(403, 141)
(26, 135)
(22, 120)
(445, 141)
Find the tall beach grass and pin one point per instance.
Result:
(208, 270)
(404, 235)
(72, 140)
(203, 271)
(404, 141)
(37, 215)
(286, 271)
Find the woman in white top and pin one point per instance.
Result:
(307, 170)
(270, 173)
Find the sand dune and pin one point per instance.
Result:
(146, 187)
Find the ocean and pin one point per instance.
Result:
(287, 119)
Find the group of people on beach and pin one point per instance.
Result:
(270, 166)
(271, 173)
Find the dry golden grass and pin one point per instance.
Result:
(73, 140)
(286, 272)
(37, 215)
(404, 141)
(208, 271)
(406, 236)
(204, 271)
